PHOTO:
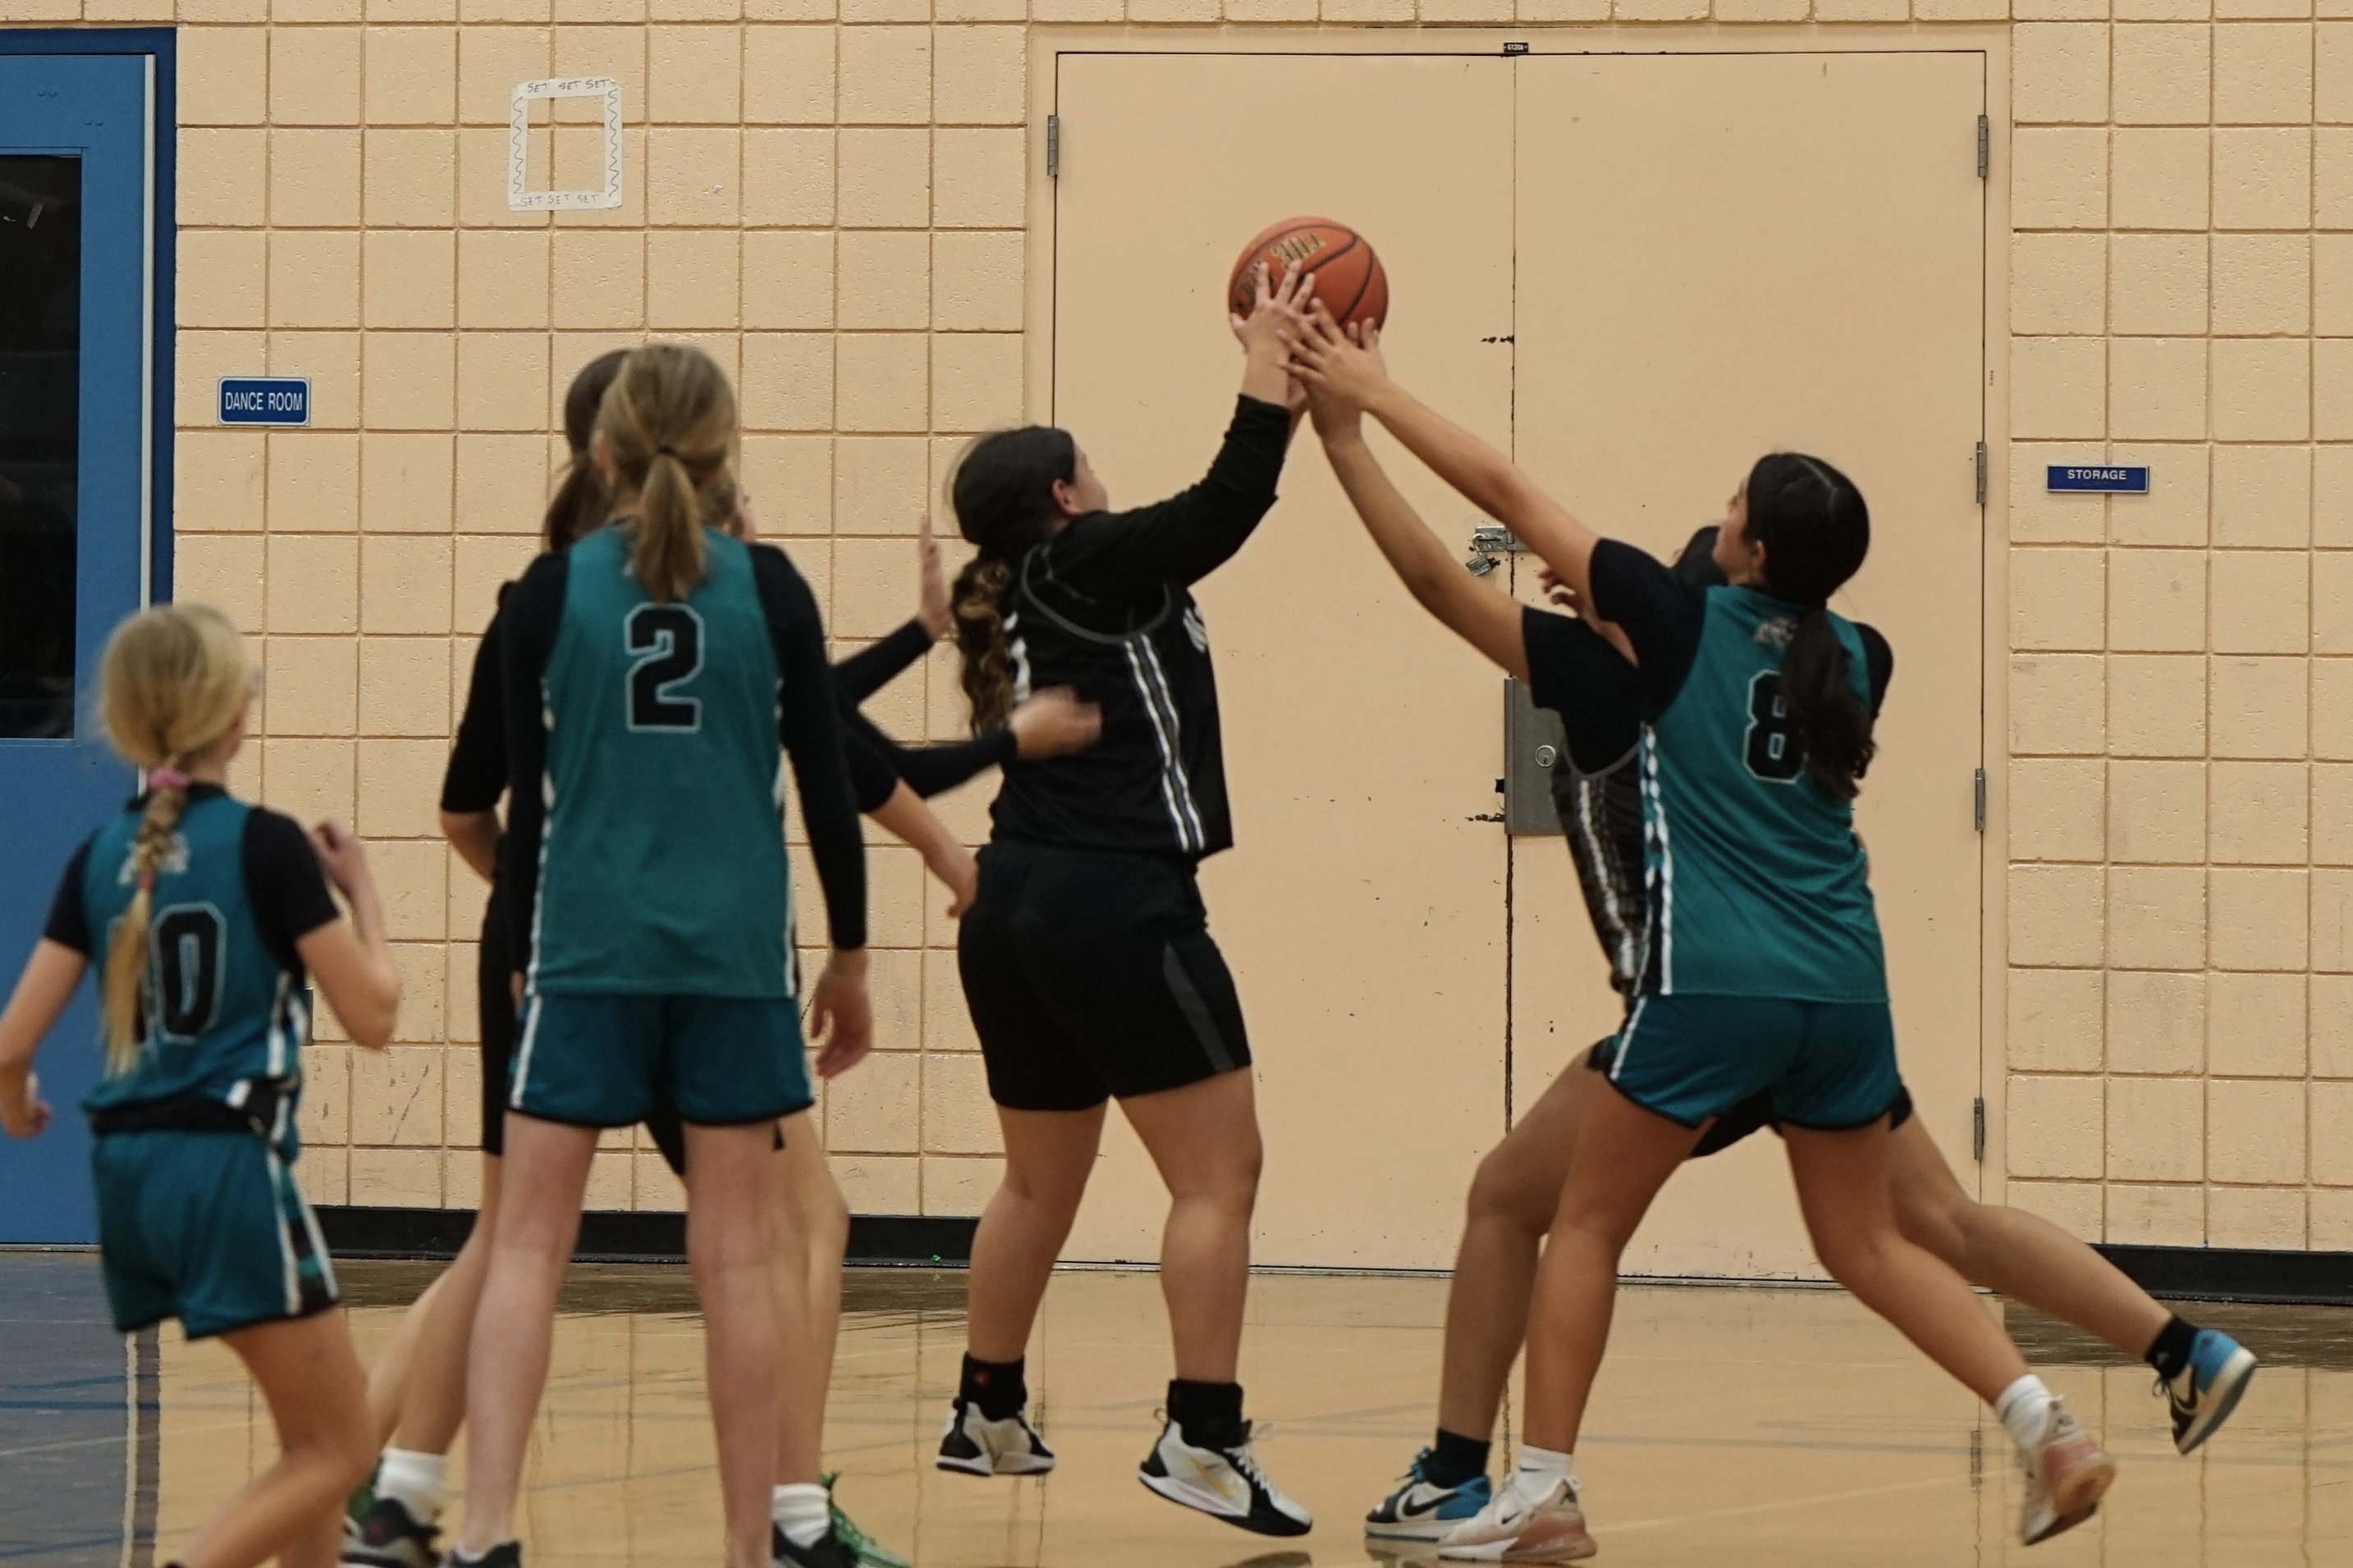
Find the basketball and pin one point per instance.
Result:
(1348, 276)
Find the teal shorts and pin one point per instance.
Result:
(596, 1060)
(207, 1228)
(1829, 1066)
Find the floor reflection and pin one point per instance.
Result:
(1758, 1426)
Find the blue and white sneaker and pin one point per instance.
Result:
(1422, 1510)
(2208, 1388)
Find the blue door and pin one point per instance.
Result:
(79, 483)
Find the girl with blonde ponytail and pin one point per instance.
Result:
(206, 916)
(655, 675)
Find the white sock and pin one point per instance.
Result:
(2024, 1408)
(1539, 1468)
(804, 1511)
(421, 1482)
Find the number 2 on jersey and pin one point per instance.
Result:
(668, 641)
(1773, 752)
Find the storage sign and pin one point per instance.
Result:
(2109, 481)
(265, 400)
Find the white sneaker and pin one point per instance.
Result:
(1520, 1527)
(979, 1446)
(2066, 1477)
(1223, 1482)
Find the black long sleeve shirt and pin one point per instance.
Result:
(1104, 607)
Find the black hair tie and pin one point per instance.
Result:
(665, 451)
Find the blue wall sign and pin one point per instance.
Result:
(2111, 480)
(275, 400)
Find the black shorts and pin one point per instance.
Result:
(495, 994)
(1751, 1115)
(494, 980)
(1091, 975)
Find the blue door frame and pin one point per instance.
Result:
(104, 98)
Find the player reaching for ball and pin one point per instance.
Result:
(1087, 960)
(1761, 973)
(1570, 668)
(206, 916)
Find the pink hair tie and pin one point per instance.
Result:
(166, 778)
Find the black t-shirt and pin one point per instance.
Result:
(282, 879)
(1663, 612)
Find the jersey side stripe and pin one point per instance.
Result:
(1663, 899)
(1171, 771)
(1176, 761)
(292, 1270)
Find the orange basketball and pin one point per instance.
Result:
(1348, 276)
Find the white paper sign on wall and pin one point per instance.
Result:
(522, 199)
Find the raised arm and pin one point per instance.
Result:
(1339, 369)
(1479, 614)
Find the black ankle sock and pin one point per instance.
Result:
(2169, 1352)
(1210, 1415)
(1455, 1459)
(997, 1386)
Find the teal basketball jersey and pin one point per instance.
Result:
(1758, 884)
(662, 865)
(225, 1017)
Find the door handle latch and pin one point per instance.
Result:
(1488, 542)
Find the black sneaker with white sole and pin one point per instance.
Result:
(388, 1536)
(505, 1554)
(1224, 1482)
(828, 1551)
(979, 1446)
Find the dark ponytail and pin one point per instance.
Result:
(1816, 531)
(1002, 493)
(580, 502)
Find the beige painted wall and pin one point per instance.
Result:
(2176, 1013)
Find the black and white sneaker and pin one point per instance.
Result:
(979, 1446)
(1223, 1482)
(828, 1551)
(505, 1554)
(388, 1536)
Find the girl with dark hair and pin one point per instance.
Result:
(1086, 960)
(417, 1386)
(1761, 976)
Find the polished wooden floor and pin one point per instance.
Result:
(1758, 1427)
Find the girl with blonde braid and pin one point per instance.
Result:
(205, 915)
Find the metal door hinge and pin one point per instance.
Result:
(1053, 145)
(1985, 145)
(1981, 473)
(1980, 800)
(1976, 1131)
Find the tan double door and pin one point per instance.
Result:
(1636, 273)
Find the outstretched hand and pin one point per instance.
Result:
(1278, 313)
(1341, 367)
(932, 607)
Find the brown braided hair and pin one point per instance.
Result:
(1002, 493)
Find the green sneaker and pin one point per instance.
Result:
(867, 1550)
(363, 1498)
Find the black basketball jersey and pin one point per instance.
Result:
(1103, 606)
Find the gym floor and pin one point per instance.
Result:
(1767, 1426)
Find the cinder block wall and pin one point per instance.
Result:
(2180, 1015)
(828, 194)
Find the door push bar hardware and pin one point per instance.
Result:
(1488, 542)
